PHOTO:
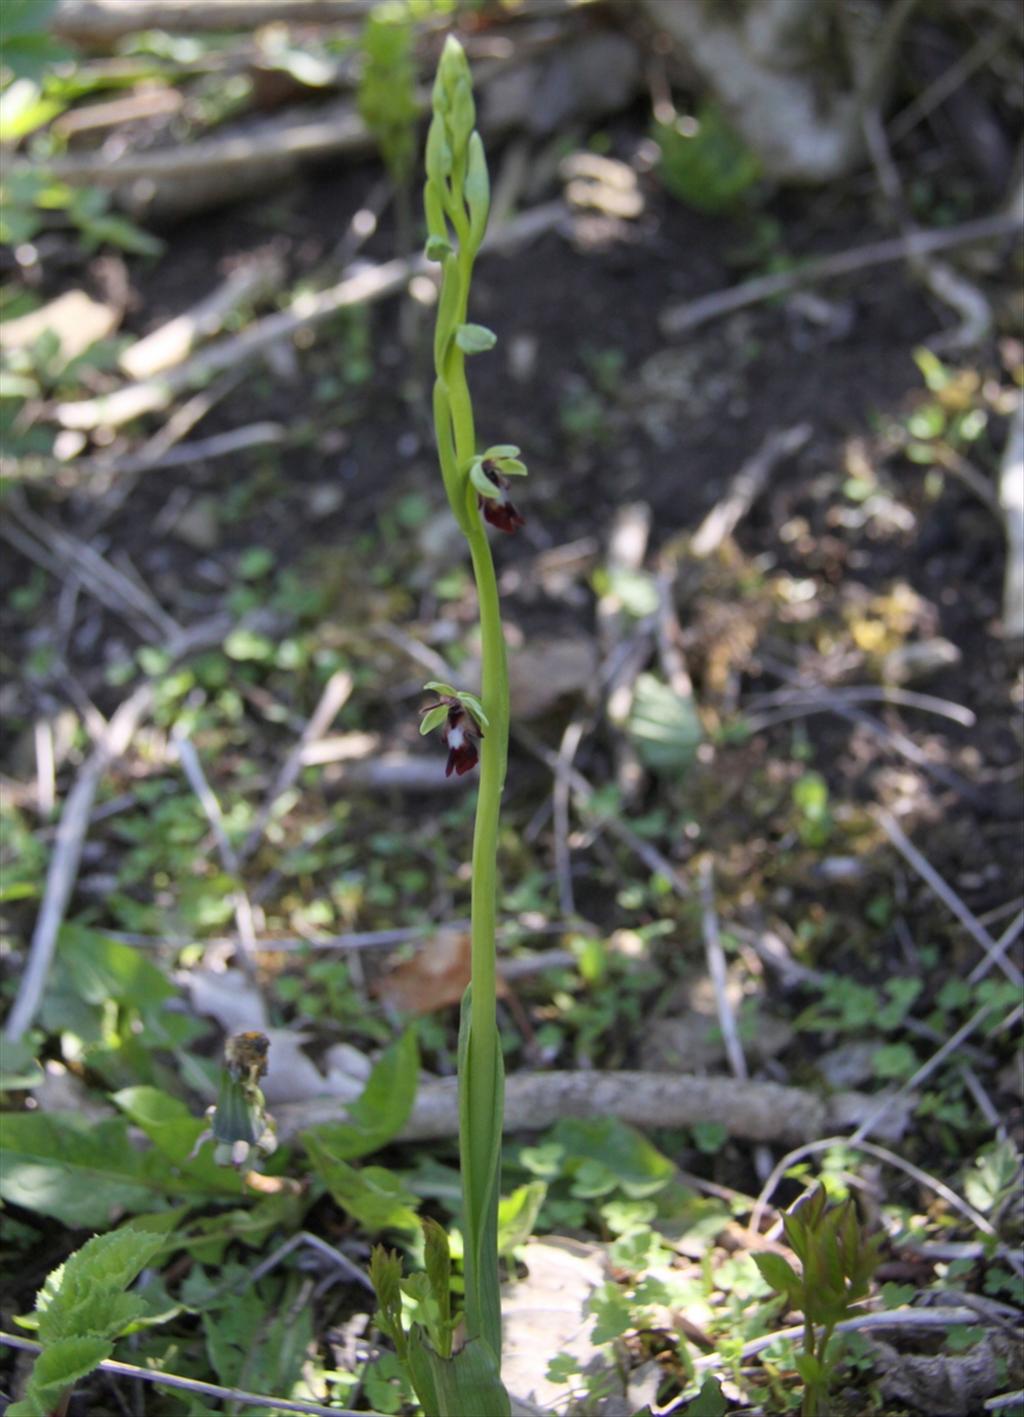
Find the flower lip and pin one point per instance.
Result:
(499, 510)
(461, 734)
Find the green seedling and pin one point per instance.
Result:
(837, 1262)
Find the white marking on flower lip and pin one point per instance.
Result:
(456, 737)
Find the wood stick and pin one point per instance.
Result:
(222, 1394)
(948, 896)
(756, 1111)
(175, 340)
(680, 318)
(74, 822)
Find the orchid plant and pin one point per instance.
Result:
(464, 1380)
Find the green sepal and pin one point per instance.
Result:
(481, 481)
(433, 718)
(512, 467)
(501, 450)
(474, 705)
(480, 1124)
(475, 339)
(438, 686)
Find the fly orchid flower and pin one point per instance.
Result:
(489, 474)
(239, 1121)
(461, 715)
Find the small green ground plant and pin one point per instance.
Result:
(837, 1264)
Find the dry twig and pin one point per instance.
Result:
(335, 695)
(193, 770)
(74, 822)
(680, 318)
(220, 1394)
(948, 896)
(746, 487)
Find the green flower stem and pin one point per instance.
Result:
(456, 199)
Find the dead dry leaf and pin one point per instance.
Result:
(436, 975)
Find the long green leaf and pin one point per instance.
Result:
(467, 1384)
(480, 1125)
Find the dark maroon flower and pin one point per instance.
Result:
(461, 735)
(500, 511)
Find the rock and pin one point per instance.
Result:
(199, 524)
(693, 1043)
(548, 671)
(595, 75)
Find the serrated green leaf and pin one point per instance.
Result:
(55, 1370)
(381, 1109)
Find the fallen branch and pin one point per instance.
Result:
(174, 341)
(680, 318)
(746, 487)
(100, 22)
(756, 1111)
(1011, 503)
(74, 822)
(222, 1394)
(362, 287)
(218, 445)
(948, 896)
(193, 770)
